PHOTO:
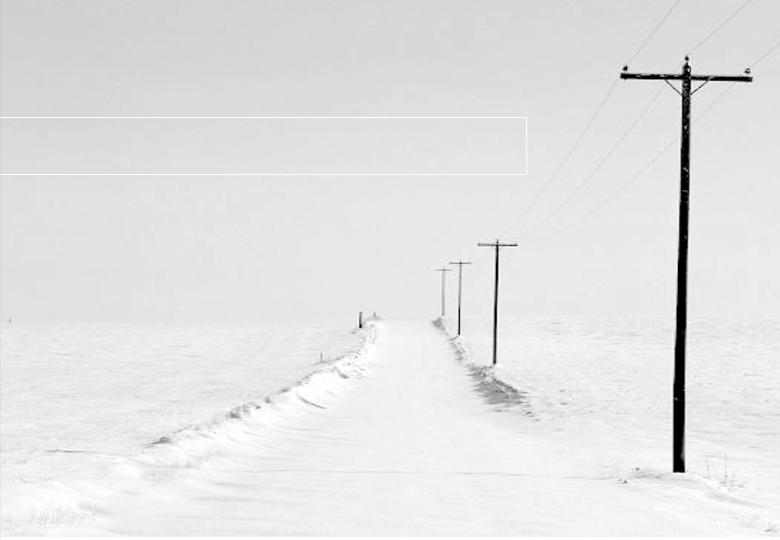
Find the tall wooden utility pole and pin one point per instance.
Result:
(498, 245)
(443, 271)
(678, 415)
(460, 286)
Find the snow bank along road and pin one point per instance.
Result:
(413, 446)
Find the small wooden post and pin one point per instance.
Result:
(360, 319)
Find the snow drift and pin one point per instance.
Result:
(76, 494)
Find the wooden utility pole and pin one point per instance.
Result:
(686, 78)
(443, 271)
(498, 245)
(460, 286)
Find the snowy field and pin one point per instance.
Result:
(602, 389)
(391, 433)
(79, 403)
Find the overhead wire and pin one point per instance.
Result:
(581, 136)
(655, 29)
(588, 125)
(720, 27)
(551, 179)
(592, 119)
(607, 156)
(660, 153)
(633, 178)
(670, 144)
(663, 150)
(585, 130)
(766, 55)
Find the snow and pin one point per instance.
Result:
(606, 383)
(80, 401)
(402, 438)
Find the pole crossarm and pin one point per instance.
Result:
(722, 78)
(652, 76)
(496, 244)
(681, 76)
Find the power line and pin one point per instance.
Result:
(598, 166)
(642, 45)
(551, 179)
(612, 196)
(766, 55)
(663, 150)
(720, 27)
(633, 178)
(655, 29)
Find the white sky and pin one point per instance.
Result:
(243, 249)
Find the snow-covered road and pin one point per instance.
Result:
(413, 447)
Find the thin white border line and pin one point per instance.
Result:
(525, 173)
(263, 174)
(525, 125)
(263, 118)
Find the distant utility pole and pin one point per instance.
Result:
(460, 286)
(678, 415)
(443, 271)
(498, 245)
